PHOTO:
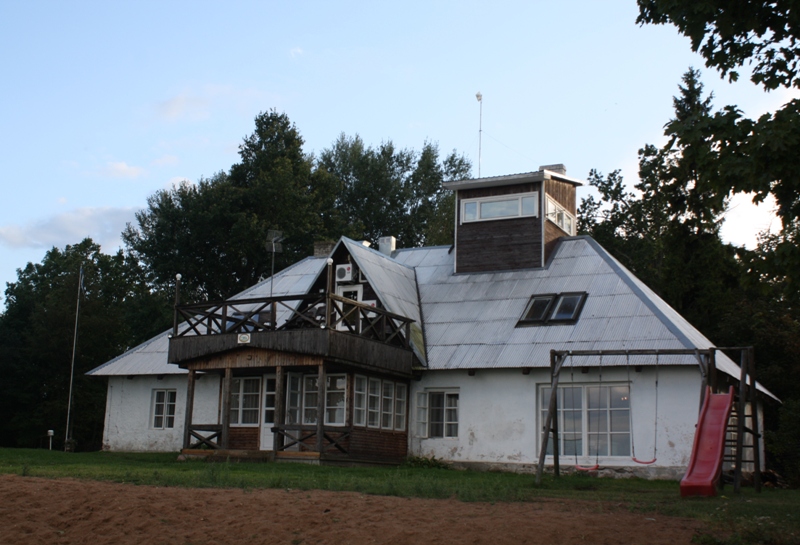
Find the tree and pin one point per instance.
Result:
(215, 233)
(386, 191)
(668, 233)
(758, 156)
(36, 339)
(730, 33)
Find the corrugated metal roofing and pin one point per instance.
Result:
(396, 285)
(470, 320)
(150, 357)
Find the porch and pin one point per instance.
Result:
(311, 377)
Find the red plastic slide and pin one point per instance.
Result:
(705, 466)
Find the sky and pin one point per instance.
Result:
(104, 103)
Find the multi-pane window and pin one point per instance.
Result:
(164, 408)
(400, 406)
(302, 396)
(360, 401)
(374, 403)
(387, 412)
(379, 403)
(310, 396)
(500, 207)
(559, 215)
(294, 400)
(592, 420)
(269, 401)
(335, 397)
(553, 308)
(245, 396)
(437, 414)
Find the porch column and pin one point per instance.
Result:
(226, 407)
(280, 419)
(320, 407)
(187, 424)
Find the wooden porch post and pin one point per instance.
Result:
(320, 407)
(187, 424)
(555, 369)
(226, 407)
(277, 437)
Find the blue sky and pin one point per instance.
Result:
(104, 103)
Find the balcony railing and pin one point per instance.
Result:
(290, 312)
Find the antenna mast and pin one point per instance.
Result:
(479, 96)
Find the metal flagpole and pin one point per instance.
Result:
(67, 435)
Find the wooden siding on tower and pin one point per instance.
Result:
(498, 245)
(563, 193)
(552, 233)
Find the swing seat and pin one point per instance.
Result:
(591, 468)
(643, 462)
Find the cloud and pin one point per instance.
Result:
(122, 170)
(295, 52)
(102, 224)
(166, 160)
(184, 106)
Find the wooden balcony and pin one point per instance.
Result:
(290, 330)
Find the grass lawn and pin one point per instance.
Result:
(771, 517)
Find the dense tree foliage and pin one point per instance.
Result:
(667, 232)
(752, 156)
(36, 339)
(386, 191)
(214, 233)
(731, 33)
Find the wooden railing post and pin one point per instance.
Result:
(753, 398)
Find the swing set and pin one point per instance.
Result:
(598, 420)
(708, 370)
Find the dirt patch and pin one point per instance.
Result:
(34, 510)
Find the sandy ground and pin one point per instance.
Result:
(34, 510)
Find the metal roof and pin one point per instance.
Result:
(395, 284)
(471, 319)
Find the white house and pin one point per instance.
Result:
(358, 354)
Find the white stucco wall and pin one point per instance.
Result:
(129, 406)
(499, 419)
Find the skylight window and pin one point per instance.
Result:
(555, 308)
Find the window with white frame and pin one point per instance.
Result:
(360, 401)
(269, 400)
(437, 414)
(560, 216)
(379, 404)
(245, 397)
(164, 409)
(335, 399)
(303, 395)
(593, 420)
(519, 205)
